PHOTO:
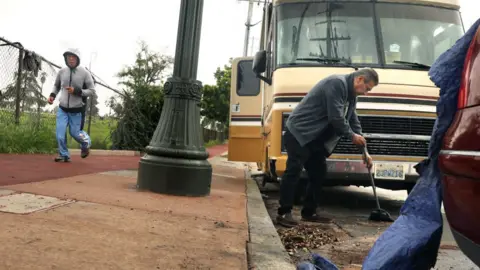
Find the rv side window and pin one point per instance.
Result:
(247, 82)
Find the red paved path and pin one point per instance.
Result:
(217, 150)
(16, 169)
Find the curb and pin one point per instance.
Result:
(98, 152)
(264, 247)
(215, 157)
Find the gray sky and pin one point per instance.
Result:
(48, 27)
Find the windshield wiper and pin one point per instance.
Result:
(327, 60)
(413, 64)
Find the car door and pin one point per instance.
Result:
(459, 159)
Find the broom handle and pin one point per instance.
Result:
(364, 154)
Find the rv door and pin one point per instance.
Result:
(245, 142)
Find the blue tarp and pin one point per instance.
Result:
(413, 240)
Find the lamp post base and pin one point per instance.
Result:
(175, 176)
(176, 161)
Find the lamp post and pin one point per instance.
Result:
(176, 161)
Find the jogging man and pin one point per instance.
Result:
(314, 128)
(74, 83)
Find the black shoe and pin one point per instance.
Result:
(287, 220)
(85, 152)
(62, 159)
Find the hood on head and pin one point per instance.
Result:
(74, 52)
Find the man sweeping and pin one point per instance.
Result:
(74, 83)
(314, 128)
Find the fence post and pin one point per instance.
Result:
(90, 114)
(91, 97)
(18, 86)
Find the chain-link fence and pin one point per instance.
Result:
(27, 121)
(24, 117)
(23, 77)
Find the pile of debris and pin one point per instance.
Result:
(305, 236)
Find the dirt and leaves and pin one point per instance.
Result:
(345, 242)
(305, 236)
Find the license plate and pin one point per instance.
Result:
(391, 171)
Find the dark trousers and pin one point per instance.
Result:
(312, 158)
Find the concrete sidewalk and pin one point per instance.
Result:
(100, 221)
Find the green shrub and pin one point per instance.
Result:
(28, 137)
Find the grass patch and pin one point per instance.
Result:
(36, 133)
(30, 136)
(213, 143)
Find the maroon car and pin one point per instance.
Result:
(460, 159)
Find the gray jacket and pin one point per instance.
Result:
(328, 110)
(77, 77)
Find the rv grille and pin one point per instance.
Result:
(386, 147)
(397, 125)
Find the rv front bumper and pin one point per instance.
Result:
(355, 171)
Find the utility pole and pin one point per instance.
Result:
(176, 161)
(252, 46)
(248, 24)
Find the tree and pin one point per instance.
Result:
(116, 107)
(140, 106)
(216, 99)
(30, 92)
(31, 97)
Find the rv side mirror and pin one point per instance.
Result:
(260, 65)
(260, 62)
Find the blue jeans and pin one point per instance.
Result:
(74, 121)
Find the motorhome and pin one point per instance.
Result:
(305, 41)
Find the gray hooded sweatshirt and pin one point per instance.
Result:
(77, 77)
(328, 111)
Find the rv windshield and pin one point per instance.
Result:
(408, 36)
(417, 34)
(342, 31)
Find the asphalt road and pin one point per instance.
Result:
(350, 207)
